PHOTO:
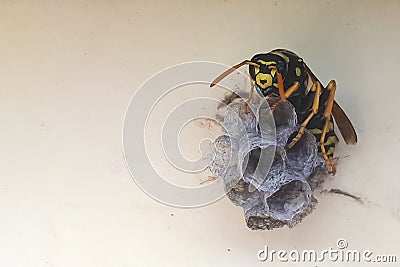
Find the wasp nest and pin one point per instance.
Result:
(274, 185)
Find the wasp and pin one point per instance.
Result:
(283, 73)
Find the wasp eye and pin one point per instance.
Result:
(280, 65)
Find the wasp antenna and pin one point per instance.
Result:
(232, 69)
(280, 82)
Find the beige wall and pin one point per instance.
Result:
(67, 72)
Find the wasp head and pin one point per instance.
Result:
(265, 76)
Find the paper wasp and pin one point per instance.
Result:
(283, 73)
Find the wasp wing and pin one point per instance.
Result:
(344, 124)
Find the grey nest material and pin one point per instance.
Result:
(274, 185)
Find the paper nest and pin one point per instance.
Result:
(274, 185)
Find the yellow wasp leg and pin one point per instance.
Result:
(317, 88)
(323, 151)
(286, 95)
(328, 116)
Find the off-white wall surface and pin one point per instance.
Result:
(68, 70)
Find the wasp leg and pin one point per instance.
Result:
(246, 104)
(328, 117)
(286, 95)
(317, 88)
